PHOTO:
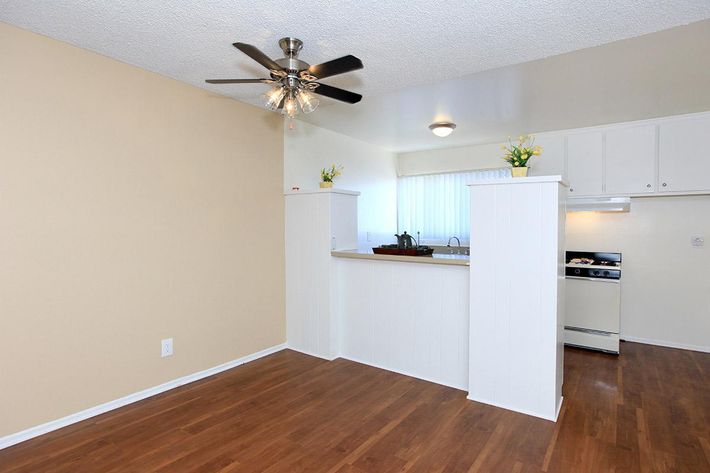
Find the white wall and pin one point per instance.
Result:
(462, 158)
(482, 156)
(665, 284)
(367, 168)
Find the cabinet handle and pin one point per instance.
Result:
(664, 184)
(571, 190)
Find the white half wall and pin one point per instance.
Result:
(411, 318)
(664, 286)
(369, 169)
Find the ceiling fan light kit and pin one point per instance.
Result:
(442, 129)
(294, 82)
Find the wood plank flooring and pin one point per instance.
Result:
(645, 411)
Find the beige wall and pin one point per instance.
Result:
(128, 203)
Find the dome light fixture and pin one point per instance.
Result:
(442, 129)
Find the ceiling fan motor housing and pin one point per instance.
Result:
(291, 46)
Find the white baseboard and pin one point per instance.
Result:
(406, 373)
(552, 418)
(310, 353)
(663, 343)
(38, 430)
(559, 408)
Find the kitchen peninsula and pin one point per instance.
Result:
(407, 314)
(436, 258)
(440, 318)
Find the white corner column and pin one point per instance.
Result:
(517, 294)
(317, 222)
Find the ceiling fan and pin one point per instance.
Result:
(294, 81)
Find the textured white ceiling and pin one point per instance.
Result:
(655, 75)
(401, 43)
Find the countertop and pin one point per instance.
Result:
(436, 258)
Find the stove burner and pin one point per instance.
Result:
(587, 258)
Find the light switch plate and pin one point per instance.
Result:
(697, 241)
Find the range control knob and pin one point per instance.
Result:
(606, 273)
(577, 271)
(595, 272)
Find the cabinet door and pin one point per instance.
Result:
(551, 161)
(682, 158)
(584, 163)
(630, 166)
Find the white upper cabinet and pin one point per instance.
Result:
(630, 160)
(552, 160)
(682, 154)
(585, 169)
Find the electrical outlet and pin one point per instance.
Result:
(697, 241)
(166, 347)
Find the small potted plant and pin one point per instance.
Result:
(518, 155)
(328, 174)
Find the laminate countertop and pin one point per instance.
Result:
(436, 258)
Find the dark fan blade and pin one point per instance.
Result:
(238, 81)
(258, 56)
(337, 94)
(336, 66)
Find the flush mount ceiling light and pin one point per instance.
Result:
(294, 82)
(442, 129)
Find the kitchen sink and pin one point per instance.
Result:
(450, 250)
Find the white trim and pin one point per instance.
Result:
(406, 373)
(521, 411)
(559, 408)
(663, 343)
(310, 353)
(42, 429)
(326, 190)
(520, 180)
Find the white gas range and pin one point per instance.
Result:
(593, 300)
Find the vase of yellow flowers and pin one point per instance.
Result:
(517, 155)
(328, 174)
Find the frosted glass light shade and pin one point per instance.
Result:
(442, 129)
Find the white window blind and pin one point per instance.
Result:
(437, 205)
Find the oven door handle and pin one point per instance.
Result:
(612, 281)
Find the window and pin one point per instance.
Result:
(437, 205)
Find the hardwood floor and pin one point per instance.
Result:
(646, 411)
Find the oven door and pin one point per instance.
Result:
(592, 304)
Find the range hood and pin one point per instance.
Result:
(598, 204)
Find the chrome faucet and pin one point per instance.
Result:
(457, 241)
